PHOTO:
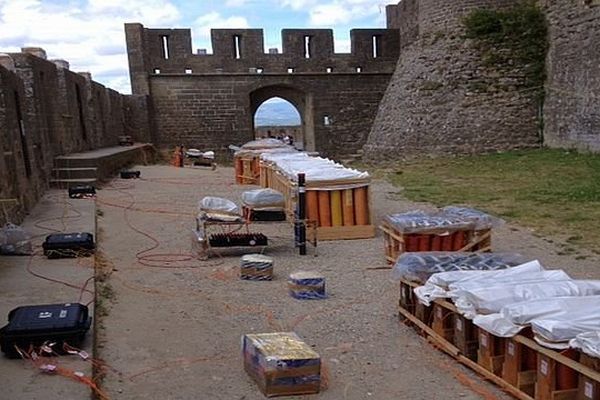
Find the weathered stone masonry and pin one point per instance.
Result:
(209, 101)
(435, 103)
(572, 106)
(47, 110)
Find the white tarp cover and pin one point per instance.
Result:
(259, 152)
(195, 153)
(564, 327)
(551, 275)
(514, 317)
(315, 168)
(588, 342)
(437, 285)
(491, 299)
(261, 198)
(267, 143)
(420, 266)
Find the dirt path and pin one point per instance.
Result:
(174, 333)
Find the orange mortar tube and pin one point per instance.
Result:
(312, 206)
(335, 199)
(361, 206)
(324, 210)
(459, 241)
(566, 378)
(436, 243)
(348, 207)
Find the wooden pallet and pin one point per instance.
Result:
(506, 362)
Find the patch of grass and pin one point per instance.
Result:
(553, 191)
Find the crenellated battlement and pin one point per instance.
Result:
(241, 51)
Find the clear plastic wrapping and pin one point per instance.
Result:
(15, 241)
(263, 198)
(428, 223)
(421, 266)
(479, 218)
(218, 204)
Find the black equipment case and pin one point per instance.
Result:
(130, 174)
(79, 192)
(49, 323)
(76, 244)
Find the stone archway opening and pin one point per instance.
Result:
(277, 117)
(284, 97)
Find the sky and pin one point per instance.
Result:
(89, 33)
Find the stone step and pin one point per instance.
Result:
(67, 183)
(66, 162)
(75, 173)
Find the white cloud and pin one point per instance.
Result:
(344, 12)
(329, 14)
(214, 20)
(235, 3)
(298, 4)
(90, 34)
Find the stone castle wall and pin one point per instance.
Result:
(209, 100)
(47, 110)
(442, 99)
(572, 104)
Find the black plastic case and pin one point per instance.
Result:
(76, 244)
(82, 191)
(48, 323)
(130, 174)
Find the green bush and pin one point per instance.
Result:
(521, 30)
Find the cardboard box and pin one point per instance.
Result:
(281, 364)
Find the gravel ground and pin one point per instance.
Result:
(174, 332)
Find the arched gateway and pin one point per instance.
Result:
(299, 99)
(209, 100)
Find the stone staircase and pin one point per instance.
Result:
(89, 168)
(351, 158)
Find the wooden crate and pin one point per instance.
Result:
(517, 376)
(465, 337)
(490, 354)
(408, 299)
(588, 389)
(334, 212)
(555, 381)
(423, 313)
(520, 366)
(443, 321)
(396, 243)
(247, 170)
